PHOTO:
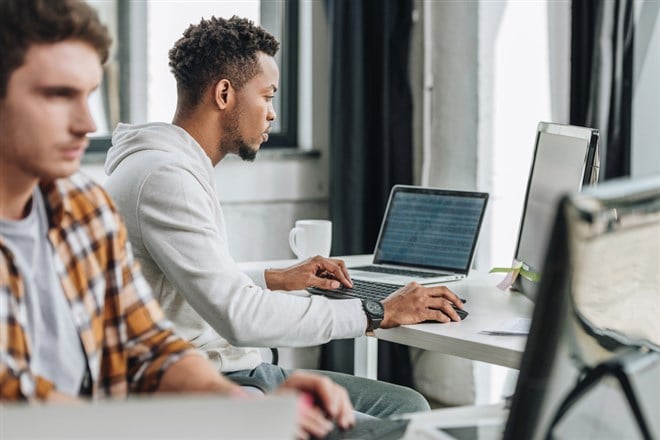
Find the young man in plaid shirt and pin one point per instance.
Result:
(76, 316)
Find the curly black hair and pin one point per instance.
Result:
(218, 49)
(24, 23)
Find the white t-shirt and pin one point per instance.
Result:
(56, 350)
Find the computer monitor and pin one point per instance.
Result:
(596, 314)
(595, 318)
(565, 159)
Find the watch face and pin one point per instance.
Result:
(374, 307)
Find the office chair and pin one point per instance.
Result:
(614, 286)
(596, 313)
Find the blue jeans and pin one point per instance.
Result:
(371, 397)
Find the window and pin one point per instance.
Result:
(138, 85)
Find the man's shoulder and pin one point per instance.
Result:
(80, 198)
(81, 189)
(154, 152)
(145, 164)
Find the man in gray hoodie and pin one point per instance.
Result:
(161, 177)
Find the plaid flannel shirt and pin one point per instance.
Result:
(126, 339)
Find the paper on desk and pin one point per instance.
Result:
(511, 327)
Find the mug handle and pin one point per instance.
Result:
(292, 241)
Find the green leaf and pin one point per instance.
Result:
(502, 269)
(530, 275)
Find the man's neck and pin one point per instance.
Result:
(15, 193)
(197, 127)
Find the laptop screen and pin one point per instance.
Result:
(430, 228)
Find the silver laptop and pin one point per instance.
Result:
(159, 417)
(428, 235)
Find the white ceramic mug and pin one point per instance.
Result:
(311, 237)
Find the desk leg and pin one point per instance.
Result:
(366, 357)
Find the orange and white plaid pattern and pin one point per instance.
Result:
(126, 339)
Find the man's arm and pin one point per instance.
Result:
(328, 404)
(179, 229)
(150, 347)
(194, 373)
(177, 226)
(411, 304)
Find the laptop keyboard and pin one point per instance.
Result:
(393, 271)
(361, 289)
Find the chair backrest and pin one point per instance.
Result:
(599, 296)
(615, 275)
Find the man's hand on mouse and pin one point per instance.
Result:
(415, 303)
(324, 404)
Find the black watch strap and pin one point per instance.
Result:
(375, 313)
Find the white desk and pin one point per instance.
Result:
(425, 424)
(487, 305)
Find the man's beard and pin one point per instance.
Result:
(232, 142)
(245, 152)
(240, 147)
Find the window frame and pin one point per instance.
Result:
(130, 15)
(288, 91)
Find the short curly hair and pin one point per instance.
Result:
(218, 49)
(27, 22)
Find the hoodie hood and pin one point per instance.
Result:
(128, 140)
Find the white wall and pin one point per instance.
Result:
(514, 95)
(646, 99)
(262, 200)
(452, 155)
(488, 86)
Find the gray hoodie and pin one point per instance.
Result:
(164, 186)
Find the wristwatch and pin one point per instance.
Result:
(375, 313)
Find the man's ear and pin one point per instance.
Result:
(223, 94)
